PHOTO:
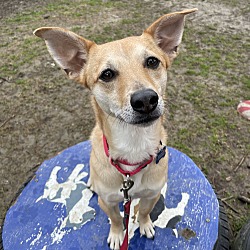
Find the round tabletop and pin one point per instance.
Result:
(57, 211)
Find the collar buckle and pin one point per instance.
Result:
(161, 154)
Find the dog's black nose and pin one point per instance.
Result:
(144, 101)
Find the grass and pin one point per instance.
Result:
(209, 60)
(213, 58)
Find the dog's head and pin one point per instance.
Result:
(127, 77)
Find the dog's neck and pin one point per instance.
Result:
(131, 143)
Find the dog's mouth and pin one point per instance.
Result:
(145, 121)
(141, 121)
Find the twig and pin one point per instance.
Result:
(7, 120)
(231, 207)
(244, 199)
(3, 79)
(240, 162)
(221, 191)
(227, 198)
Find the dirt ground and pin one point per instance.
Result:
(42, 113)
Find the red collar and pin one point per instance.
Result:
(116, 163)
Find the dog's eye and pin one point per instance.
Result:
(152, 63)
(107, 75)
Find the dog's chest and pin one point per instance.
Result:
(133, 144)
(141, 189)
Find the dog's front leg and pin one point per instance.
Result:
(146, 225)
(116, 233)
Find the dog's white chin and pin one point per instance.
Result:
(139, 122)
(145, 123)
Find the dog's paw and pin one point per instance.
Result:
(147, 229)
(115, 240)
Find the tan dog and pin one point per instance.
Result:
(127, 79)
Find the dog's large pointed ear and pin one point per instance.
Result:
(69, 50)
(167, 31)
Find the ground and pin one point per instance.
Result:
(42, 112)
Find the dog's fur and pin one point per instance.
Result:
(132, 134)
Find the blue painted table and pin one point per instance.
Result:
(57, 211)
